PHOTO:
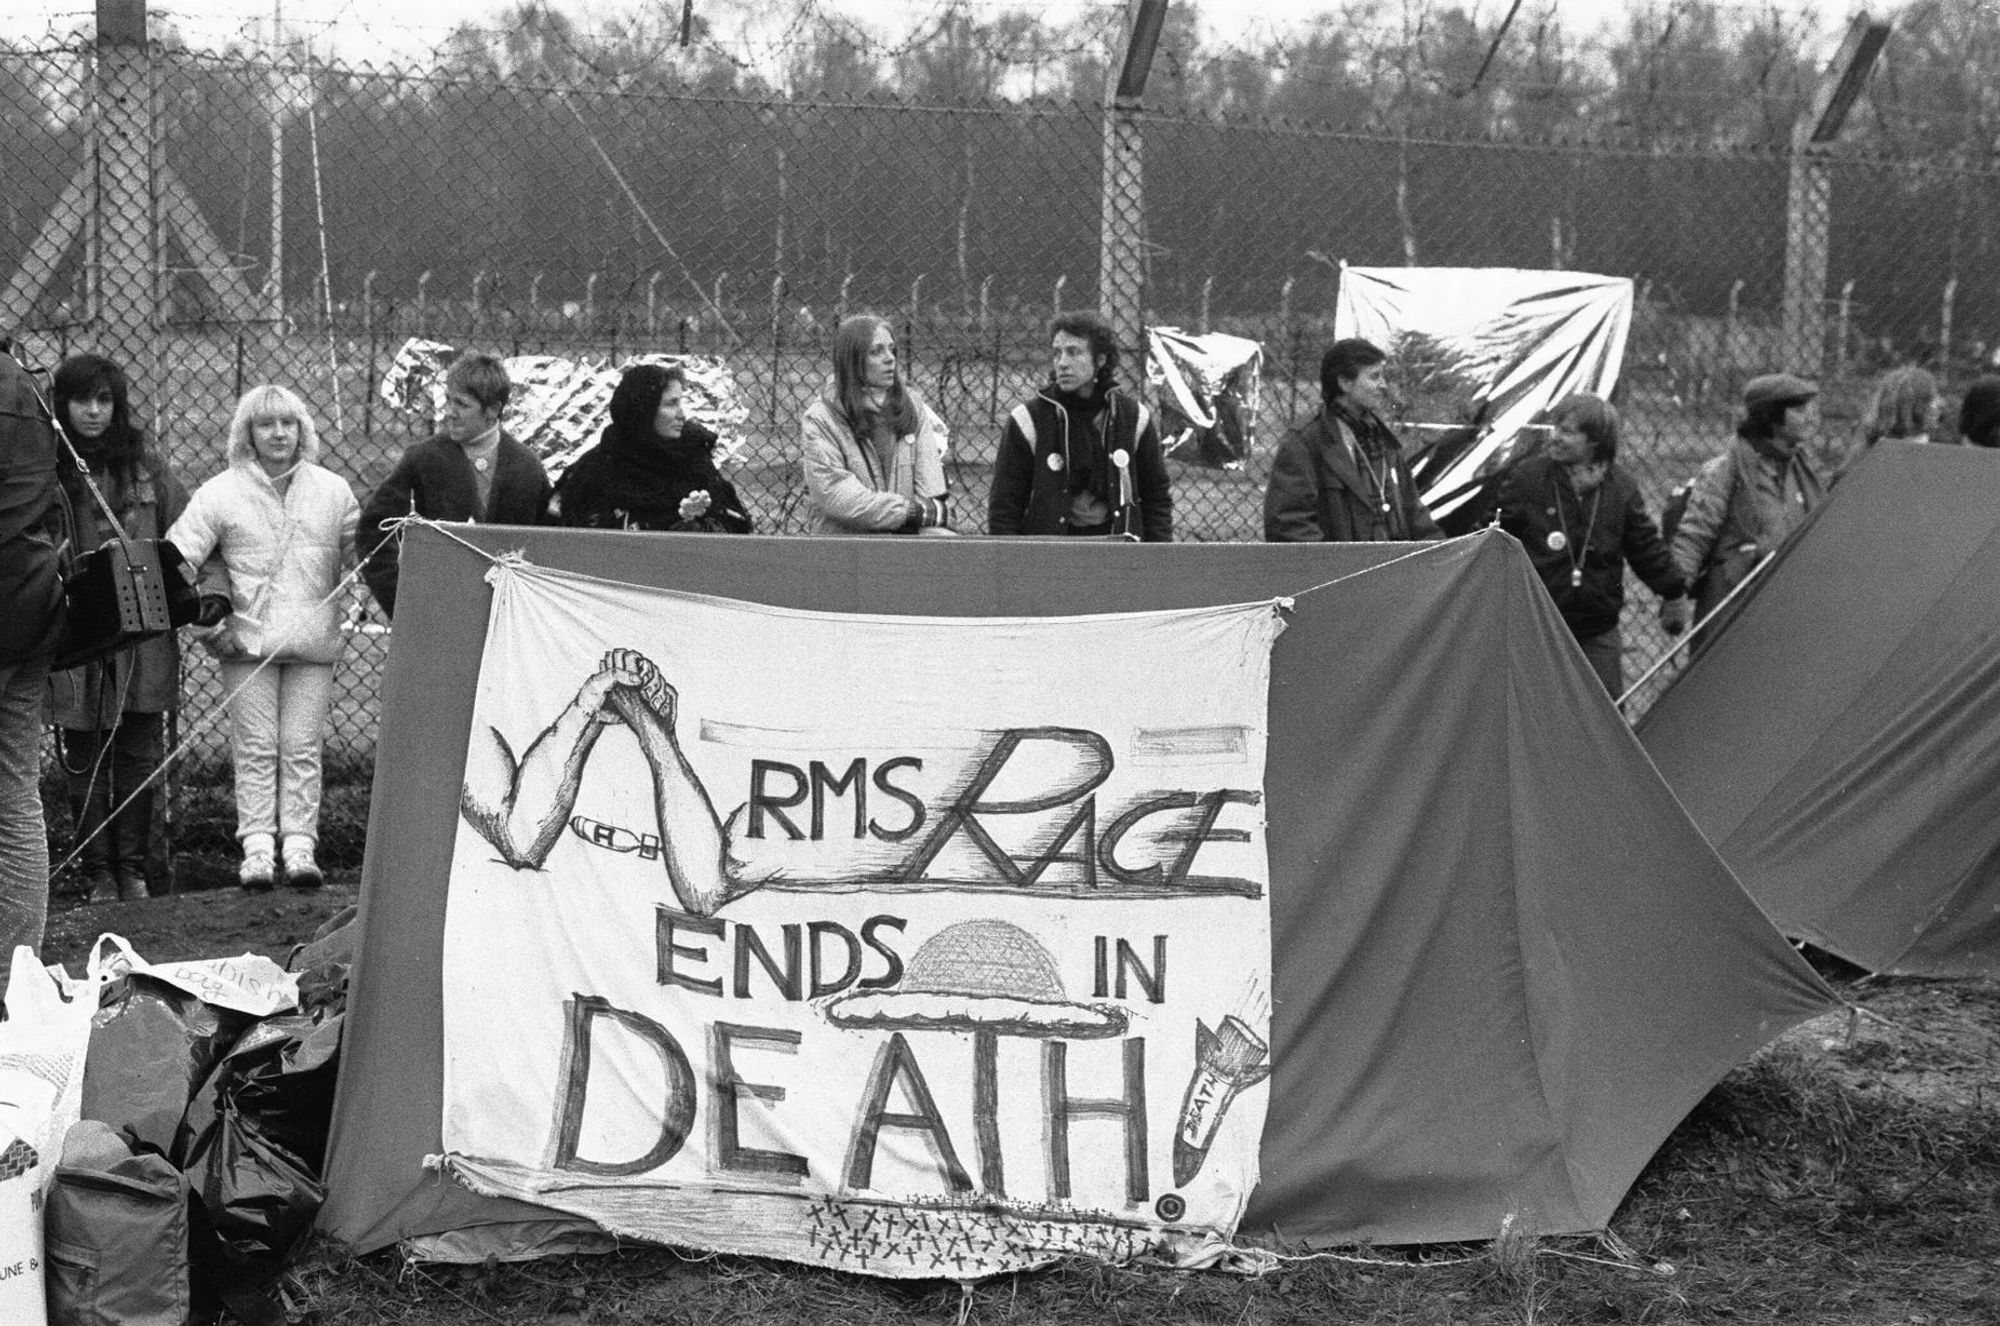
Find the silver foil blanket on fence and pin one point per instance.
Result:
(559, 405)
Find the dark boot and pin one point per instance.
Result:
(132, 836)
(89, 803)
(301, 870)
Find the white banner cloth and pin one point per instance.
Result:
(909, 946)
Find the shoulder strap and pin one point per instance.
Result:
(1024, 420)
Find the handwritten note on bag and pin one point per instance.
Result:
(248, 983)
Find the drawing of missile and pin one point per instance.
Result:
(1227, 1061)
(615, 838)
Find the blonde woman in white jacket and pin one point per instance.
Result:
(284, 526)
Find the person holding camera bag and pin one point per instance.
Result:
(112, 713)
(284, 526)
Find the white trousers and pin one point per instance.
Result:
(277, 719)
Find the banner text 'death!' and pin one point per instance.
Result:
(911, 946)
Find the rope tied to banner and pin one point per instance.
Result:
(506, 566)
(1422, 549)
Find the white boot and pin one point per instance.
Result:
(259, 870)
(301, 871)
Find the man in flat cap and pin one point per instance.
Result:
(1745, 502)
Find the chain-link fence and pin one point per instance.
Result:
(214, 223)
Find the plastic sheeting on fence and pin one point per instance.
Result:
(1478, 352)
(1208, 387)
(558, 405)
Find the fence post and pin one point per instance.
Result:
(1207, 293)
(479, 300)
(423, 300)
(535, 300)
(368, 339)
(840, 307)
(1732, 343)
(1846, 325)
(1291, 345)
(274, 287)
(653, 305)
(1056, 299)
(1809, 191)
(777, 342)
(127, 285)
(1121, 253)
(1121, 277)
(985, 326)
(716, 303)
(590, 303)
(1944, 324)
(1808, 217)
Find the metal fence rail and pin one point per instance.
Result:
(215, 222)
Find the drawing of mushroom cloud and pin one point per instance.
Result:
(983, 975)
(559, 406)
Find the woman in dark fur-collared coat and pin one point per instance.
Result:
(653, 468)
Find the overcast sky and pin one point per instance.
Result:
(370, 30)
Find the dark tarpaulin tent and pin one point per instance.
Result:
(1840, 742)
(1505, 963)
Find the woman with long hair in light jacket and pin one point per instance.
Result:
(872, 451)
(284, 526)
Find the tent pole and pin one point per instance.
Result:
(1687, 636)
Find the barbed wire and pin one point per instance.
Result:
(1621, 80)
(1357, 23)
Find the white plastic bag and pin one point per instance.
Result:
(42, 1046)
(249, 983)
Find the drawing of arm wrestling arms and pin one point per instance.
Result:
(521, 806)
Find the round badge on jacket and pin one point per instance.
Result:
(1055, 462)
(1557, 540)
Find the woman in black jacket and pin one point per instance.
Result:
(113, 713)
(653, 468)
(1581, 520)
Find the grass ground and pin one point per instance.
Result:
(1849, 1175)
